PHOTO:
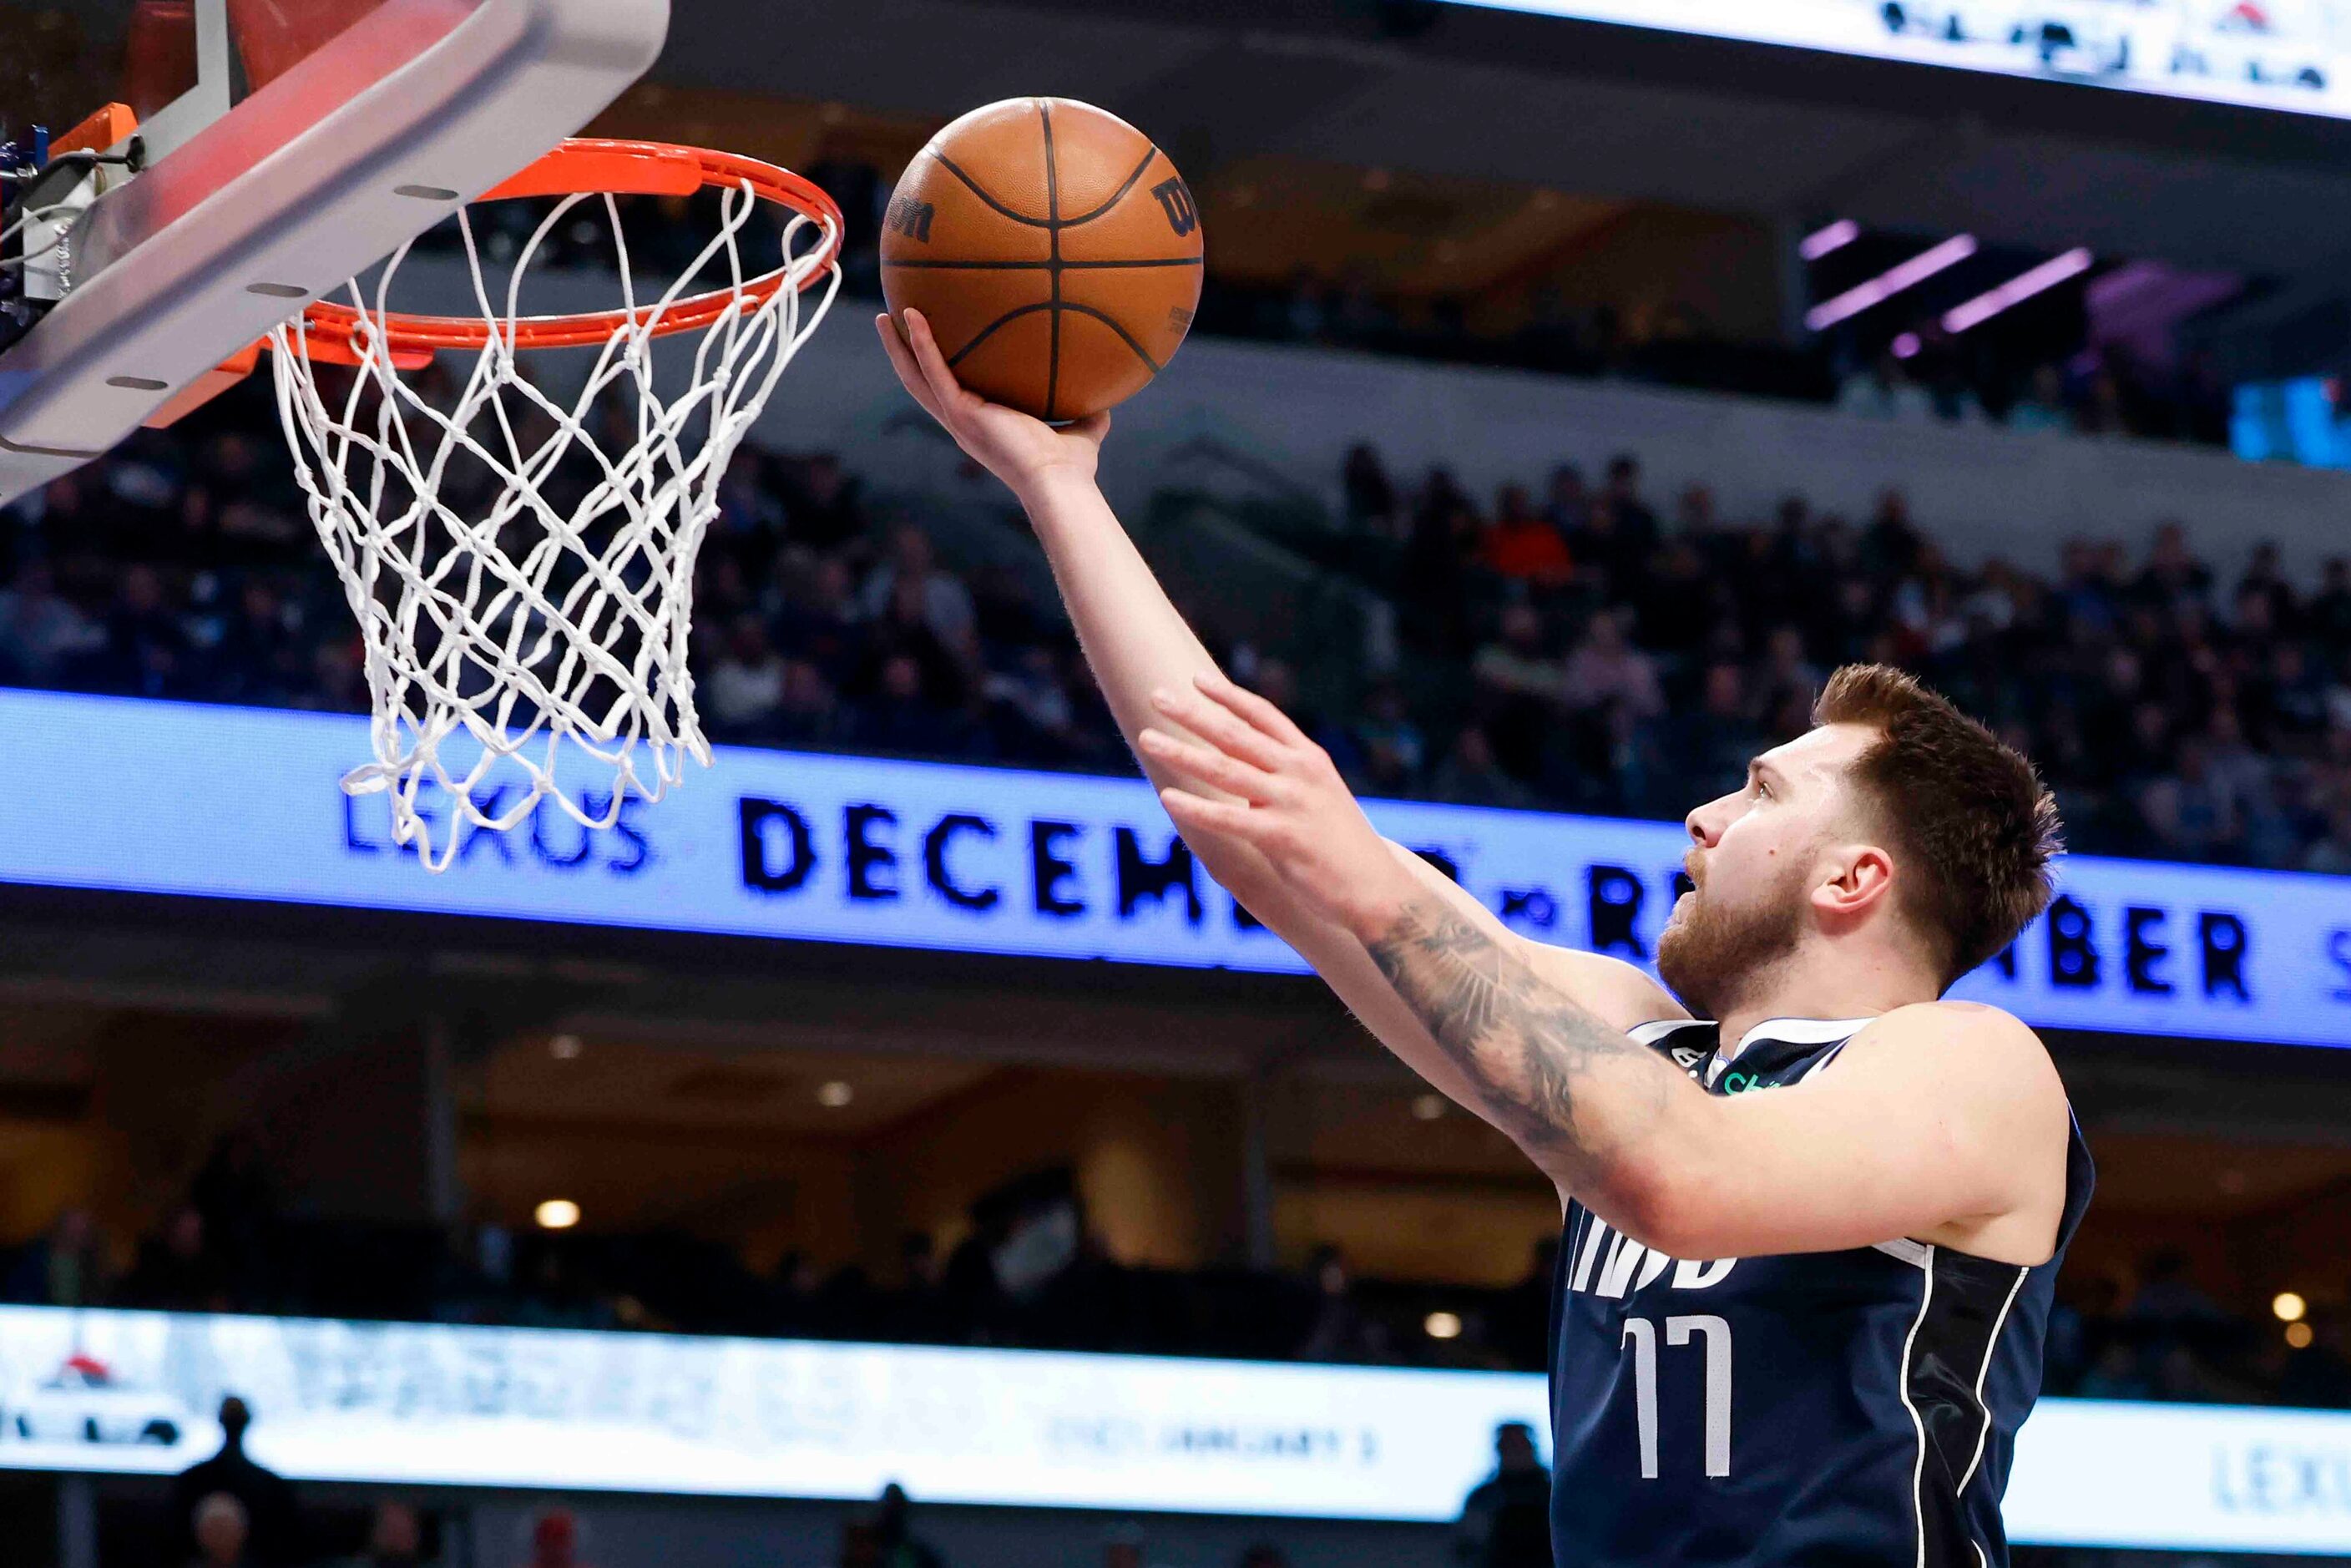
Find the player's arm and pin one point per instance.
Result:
(1946, 1117)
(1138, 644)
(1943, 1122)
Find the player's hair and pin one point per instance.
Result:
(1966, 812)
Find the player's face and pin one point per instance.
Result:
(1755, 855)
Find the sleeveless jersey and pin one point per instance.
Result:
(1817, 1410)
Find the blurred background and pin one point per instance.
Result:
(1566, 397)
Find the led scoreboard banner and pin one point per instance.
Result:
(111, 793)
(444, 1404)
(2269, 54)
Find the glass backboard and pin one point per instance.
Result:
(266, 152)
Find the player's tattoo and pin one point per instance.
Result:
(1530, 1051)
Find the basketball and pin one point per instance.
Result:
(1054, 250)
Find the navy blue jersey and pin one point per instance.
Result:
(1819, 1409)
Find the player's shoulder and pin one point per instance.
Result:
(1963, 1043)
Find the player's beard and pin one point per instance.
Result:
(1712, 955)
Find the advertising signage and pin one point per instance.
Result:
(177, 799)
(441, 1405)
(2269, 54)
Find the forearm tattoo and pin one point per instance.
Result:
(1532, 1055)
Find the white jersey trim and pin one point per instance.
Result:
(1917, 1254)
(1917, 1425)
(1991, 1348)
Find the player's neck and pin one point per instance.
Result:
(1823, 985)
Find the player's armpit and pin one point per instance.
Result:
(1944, 1122)
(1609, 989)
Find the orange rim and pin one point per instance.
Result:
(587, 166)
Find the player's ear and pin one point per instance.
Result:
(1860, 877)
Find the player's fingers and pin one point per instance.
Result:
(1253, 709)
(942, 384)
(1205, 765)
(902, 359)
(1220, 728)
(1196, 813)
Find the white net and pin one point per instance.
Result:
(522, 564)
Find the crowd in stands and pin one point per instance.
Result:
(1027, 1271)
(1626, 661)
(2102, 389)
(1583, 645)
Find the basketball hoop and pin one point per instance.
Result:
(522, 567)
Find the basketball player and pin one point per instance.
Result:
(1813, 1216)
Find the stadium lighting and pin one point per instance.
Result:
(557, 1214)
(2289, 1306)
(1891, 282)
(2299, 1335)
(2016, 290)
(1836, 236)
(1427, 1107)
(1907, 346)
(564, 1048)
(832, 1096)
(1442, 1325)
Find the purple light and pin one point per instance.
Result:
(2016, 290)
(1907, 346)
(1820, 242)
(1891, 282)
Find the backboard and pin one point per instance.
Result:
(264, 151)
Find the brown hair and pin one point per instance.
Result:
(1967, 813)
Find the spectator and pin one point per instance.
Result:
(66, 1268)
(823, 505)
(940, 601)
(2042, 408)
(1709, 747)
(218, 1526)
(41, 634)
(807, 710)
(1369, 495)
(1567, 506)
(146, 648)
(745, 688)
(1388, 742)
(1339, 1331)
(1125, 1547)
(1884, 391)
(898, 717)
(1470, 777)
(1521, 545)
(177, 1271)
(895, 1537)
(555, 1540)
(395, 1539)
(2115, 1374)
(2168, 1298)
(271, 1520)
(1623, 496)
(1506, 1521)
(1606, 671)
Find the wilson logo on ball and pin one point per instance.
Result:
(1176, 201)
(911, 218)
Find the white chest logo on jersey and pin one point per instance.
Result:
(1612, 1265)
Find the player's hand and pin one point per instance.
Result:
(1021, 451)
(1286, 799)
